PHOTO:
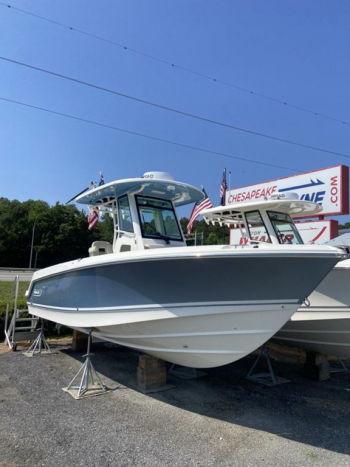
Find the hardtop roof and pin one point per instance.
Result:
(177, 192)
(294, 207)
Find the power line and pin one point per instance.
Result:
(176, 111)
(144, 135)
(173, 65)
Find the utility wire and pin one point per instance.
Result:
(180, 67)
(176, 111)
(144, 135)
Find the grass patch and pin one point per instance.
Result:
(7, 294)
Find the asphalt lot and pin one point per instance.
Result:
(220, 419)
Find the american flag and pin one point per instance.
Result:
(102, 180)
(223, 189)
(93, 217)
(197, 208)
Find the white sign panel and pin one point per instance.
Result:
(327, 187)
(317, 231)
(311, 232)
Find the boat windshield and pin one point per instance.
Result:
(158, 219)
(285, 228)
(256, 227)
(124, 215)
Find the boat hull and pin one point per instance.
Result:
(203, 310)
(197, 335)
(322, 324)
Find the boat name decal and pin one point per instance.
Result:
(37, 292)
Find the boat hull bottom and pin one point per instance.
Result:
(326, 332)
(195, 336)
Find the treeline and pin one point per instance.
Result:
(61, 233)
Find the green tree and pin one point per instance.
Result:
(104, 229)
(61, 233)
(16, 222)
(212, 234)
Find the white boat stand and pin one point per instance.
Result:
(267, 378)
(90, 383)
(40, 345)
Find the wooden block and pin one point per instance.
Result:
(316, 366)
(79, 341)
(151, 378)
(286, 353)
(147, 374)
(147, 361)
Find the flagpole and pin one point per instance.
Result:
(75, 196)
(32, 244)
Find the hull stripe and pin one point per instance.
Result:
(167, 305)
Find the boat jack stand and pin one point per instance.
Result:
(266, 378)
(90, 383)
(342, 368)
(40, 345)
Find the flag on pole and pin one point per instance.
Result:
(102, 180)
(93, 217)
(197, 208)
(223, 189)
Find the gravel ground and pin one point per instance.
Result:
(220, 419)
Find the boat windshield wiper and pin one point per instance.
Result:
(162, 237)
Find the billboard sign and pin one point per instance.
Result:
(328, 187)
(311, 232)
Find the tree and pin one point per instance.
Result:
(61, 233)
(16, 222)
(104, 229)
(212, 234)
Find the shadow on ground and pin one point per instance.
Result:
(314, 413)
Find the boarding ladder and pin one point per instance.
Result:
(19, 326)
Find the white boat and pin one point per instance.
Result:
(199, 306)
(322, 323)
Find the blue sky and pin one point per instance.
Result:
(296, 51)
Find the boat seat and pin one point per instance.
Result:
(100, 248)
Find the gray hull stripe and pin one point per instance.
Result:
(166, 305)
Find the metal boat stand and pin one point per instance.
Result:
(40, 345)
(185, 372)
(340, 368)
(267, 378)
(90, 383)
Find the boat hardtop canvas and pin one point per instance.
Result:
(198, 306)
